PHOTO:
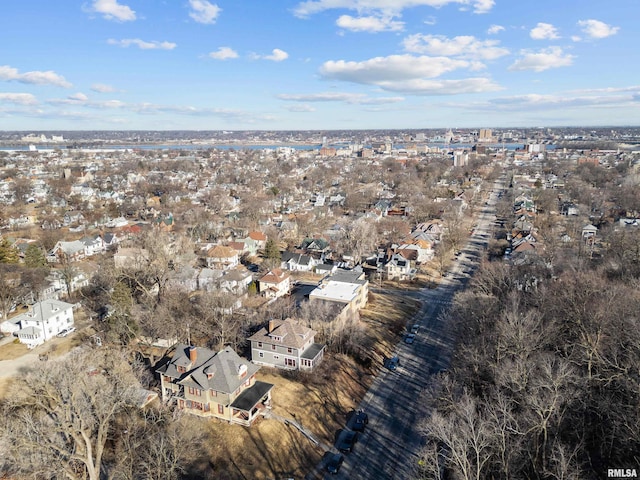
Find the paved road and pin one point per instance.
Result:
(389, 448)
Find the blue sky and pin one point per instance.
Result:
(317, 64)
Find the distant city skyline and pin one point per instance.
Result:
(317, 64)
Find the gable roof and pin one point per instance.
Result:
(257, 236)
(220, 251)
(276, 275)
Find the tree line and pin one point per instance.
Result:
(545, 378)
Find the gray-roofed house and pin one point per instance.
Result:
(286, 344)
(297, 262)
(214, 384)
(41, 322)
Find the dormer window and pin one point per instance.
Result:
(181, 369)
(276, 338)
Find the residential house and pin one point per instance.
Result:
(134, 258)
(222, 258)
(286, 344)
(349, 288)
(236, 281)
(43, 321)
(275, 283)
(298, 262)
(214, 384)
(589, 231)
(111, 241)
(93, 246)
(399, 268)
(73, 218)
(60, 285)
(254, 242)
(67, 251)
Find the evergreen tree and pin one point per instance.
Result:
(271, 250)
(8, 253)
(34, 257)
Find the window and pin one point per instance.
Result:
(289, 350)
(276, 357)
(181, 369)
(213, 393)
(221, 409)
(259, 344)
(261, 354)
(290, 362)
(273, 347)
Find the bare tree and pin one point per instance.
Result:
(58, 420)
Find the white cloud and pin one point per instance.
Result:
(203, 11)
(223, 53)
(391, 68)
(102, 88)
(78, 97)
(483, 6)
(383, 7)
(534, 101)
(277, 55)
(597, 29)
(112, 10)
(494, 29)
(442, 87)
(462, 46)
(143, 45)
(36, 77)
(369, 24)
(576, 38)
(302, 108)
(351, 98)
(543, 60)
(544, 31)
(18, 98)
(409, 74)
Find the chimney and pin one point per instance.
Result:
(272, 326)
(193, 354)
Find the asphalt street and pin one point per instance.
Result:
(389, 447)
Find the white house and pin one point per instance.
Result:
(43, 321)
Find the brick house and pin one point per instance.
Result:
(214, 384)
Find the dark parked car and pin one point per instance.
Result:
(333, 462)
(346, 440)
(392, 363)
(357, 421)
(409, 338)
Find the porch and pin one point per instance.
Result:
(248, 405)
(311, 357)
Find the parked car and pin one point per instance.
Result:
(357, 421)
(415, 328)
(66, 331)
(346, 441)
(409, 338)
(392, 363)
(333, 462)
